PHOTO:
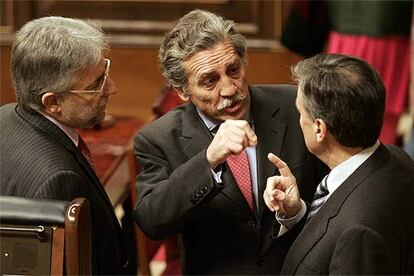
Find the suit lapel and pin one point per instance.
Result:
(197, 137)
(54, 132)
(195, 134)
(270, 132)
(316, 228)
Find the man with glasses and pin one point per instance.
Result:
(61, 81)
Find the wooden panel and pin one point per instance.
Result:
(144, 22)
(6, 17)
(6, 88)
(138, 79)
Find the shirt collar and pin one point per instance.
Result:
(340, 173)
(70, 132)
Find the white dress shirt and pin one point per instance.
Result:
(336, 177)
(69, 131)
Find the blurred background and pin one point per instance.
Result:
(272, 27)
(136, 28)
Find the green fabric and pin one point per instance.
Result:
(372, 18)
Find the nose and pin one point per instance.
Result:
(228, 88)
(110, 87)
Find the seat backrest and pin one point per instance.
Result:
(45, 237)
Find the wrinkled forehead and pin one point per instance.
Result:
(210, 60)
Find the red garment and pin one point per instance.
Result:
(86, 153)
(240, 169)
(167, 100)
(390, 55)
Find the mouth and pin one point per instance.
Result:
(234, 107)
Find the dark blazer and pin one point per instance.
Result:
(38, 160)
(367, 224)
(177, 194)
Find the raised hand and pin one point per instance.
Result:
(281, 193)
(232, 137)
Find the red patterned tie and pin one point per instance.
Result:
(85, 151)
(239, 167)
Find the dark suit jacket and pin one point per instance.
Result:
(366, 226)
(38, 160)
(177, 194)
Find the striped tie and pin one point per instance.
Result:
(319, 198)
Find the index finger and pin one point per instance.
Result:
(280, 165)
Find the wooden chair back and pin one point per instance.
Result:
(45, 237)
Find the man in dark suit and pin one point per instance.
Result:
(61, 81)
(361, 218)
(187, 184)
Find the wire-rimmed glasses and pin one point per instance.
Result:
(102, 86)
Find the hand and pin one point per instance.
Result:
(232, 137)
(281, 193)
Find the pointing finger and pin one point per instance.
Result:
(280, 165)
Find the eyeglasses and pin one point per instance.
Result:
(102, 86)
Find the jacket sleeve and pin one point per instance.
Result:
(169, 197)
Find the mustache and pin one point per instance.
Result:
(230, 101)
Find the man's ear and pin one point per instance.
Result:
(182, 94)
(50, 103)
(321, 130)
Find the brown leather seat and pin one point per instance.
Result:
(45, 237)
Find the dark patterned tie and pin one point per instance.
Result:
(239, 167)
(319, 198)
(86, 153)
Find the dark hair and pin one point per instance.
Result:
(346, 93)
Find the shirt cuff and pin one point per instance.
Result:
(217, 175)
(287, 223)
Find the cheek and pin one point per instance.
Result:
(205, 95)
(240, 82)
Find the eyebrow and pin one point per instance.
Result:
(235, 61)
(207, 74)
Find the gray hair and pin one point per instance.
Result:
(346, 93)
(46, 54)
(194, 32)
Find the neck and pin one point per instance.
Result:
(335, 154)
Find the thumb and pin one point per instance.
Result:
(280, 165)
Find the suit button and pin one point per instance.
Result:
(260, 262)
(194, 199)
(205, 189)
(251, 224)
